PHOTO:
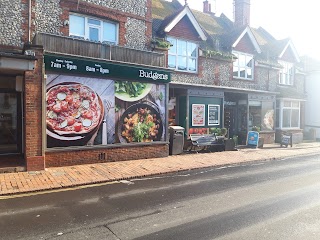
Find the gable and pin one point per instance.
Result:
(172, 21)
(288, 56)
(184, 29)
(245, 45)
(289, 53)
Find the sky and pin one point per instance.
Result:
(298, 20)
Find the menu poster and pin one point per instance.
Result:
(253, 139)
(198, 115)
(213, 115)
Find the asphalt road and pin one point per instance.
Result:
(265, 200)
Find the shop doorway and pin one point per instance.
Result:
(10, 118)
(235, 116)
(10, 123)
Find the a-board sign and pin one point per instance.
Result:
(286, 139)
(252, 139)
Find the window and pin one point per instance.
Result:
(243, 66)
(289, 114)
(286, 73)
(93, 29)
(183, 55)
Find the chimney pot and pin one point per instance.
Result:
(206, 6)
(241, 13)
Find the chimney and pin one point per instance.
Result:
(241, 13)
(206, 7)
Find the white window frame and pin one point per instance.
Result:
(236, 64)
(87, 26)
(286, 74)
(174, 41)
(281, 109)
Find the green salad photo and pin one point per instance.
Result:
(133, 89)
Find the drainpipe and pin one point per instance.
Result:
(29, 22)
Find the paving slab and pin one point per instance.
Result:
(73, 176)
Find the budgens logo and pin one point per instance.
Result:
(153, 75)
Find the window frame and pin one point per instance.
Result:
(238, 66)
(281, 108)
(100, 27)
(177, 55)
(285, 77)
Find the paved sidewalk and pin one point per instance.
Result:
(64, 177)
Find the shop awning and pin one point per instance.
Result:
(16, 62)
(221, 88)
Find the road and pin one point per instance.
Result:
(277, 199)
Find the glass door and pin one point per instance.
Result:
(10, 122)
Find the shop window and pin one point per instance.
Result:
(183, 55)
(93, 29)
(243, 66)
(289, 114)
(261, 115)
(286, 73)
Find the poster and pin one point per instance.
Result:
(253, 139)
(213, 115)
(82, 111)
(198, 115)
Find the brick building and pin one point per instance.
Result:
(228, 74)
(78, 83)
(85, 81)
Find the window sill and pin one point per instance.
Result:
(285, 85)
(181, 71)
(243, 79)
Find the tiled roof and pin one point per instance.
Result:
(162, 10)
(209, 23)
(221, 28)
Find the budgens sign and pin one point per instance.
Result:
(75, 65)
(153, 75)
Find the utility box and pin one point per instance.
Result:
(176, 140)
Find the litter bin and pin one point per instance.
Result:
(176, 140)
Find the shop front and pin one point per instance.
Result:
(12, 69)
(100, 111)
(198, 110)
(249, 112)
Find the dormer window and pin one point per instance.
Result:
(286, 73)
(243, 66)
(183, 55)
(93, 29)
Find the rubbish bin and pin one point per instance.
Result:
(176, 140)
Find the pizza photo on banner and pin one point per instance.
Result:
(83, 111)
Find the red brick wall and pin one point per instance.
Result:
(33, 115)
(269, 137)
(149, 21)
(185, 30)
(25, 23)
(73, 157)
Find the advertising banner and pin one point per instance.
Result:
(83, 111)
(253, 139)
(198, 115)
